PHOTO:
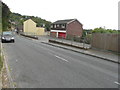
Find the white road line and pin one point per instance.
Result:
(16, 60)
(61, 58)
(117, 83)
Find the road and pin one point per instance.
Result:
(33, 64)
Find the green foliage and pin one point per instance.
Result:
(73, 38)
(18, 20)
(103, 30)
(88, 38)
(1, 63)
(85, 32)
(15, 20)
(5, 17)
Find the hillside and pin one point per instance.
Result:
(18, 19)
(4, 22)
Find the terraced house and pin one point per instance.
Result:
(64, 28)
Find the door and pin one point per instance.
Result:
(61, 35)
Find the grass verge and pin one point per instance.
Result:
(1, 62)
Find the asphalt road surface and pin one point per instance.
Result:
(33, 64)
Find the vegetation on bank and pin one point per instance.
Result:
(87, 33)
(18, 19)
(103, 30)
(1, 62)
(99, 30)
(5, 17)
(12, 20)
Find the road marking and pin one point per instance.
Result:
(61, 58)
(16, 60)
(117, 83)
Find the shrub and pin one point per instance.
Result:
(88, 38)
(1, 63)
(103, 30)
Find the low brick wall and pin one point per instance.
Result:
(66, 44)
(33, 37)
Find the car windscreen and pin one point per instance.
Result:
(7, 33)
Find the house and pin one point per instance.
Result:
(40, 31)
(31, 29)
(65, 28)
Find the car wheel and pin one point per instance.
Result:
(2, 41)
(13, 41)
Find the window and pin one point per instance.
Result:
(51, 26)
(54, 26)
(63, 25)
(58, 25)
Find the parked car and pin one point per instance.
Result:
(7, 37)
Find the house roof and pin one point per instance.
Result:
(29, 20)
(64, 21)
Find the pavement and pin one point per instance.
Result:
(91, 52)
(106, 55)
(34, 64)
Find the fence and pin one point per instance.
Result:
(106, 41)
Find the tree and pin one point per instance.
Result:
(18, 20)
(5, 17)
(103, 30)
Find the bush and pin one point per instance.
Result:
(103, 30)
(88, 38)
(69, 37)
(73, 38)
(1, 63)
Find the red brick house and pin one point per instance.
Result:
(64, 28)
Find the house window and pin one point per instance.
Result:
(51, 26)
(58, 25)
(63, 25)
(54, 26)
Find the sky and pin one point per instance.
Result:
(91, 13)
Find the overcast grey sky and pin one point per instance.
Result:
(91, 13)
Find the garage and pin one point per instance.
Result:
(53, 34)
(61, 35)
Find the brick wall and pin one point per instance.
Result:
(75, 29)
